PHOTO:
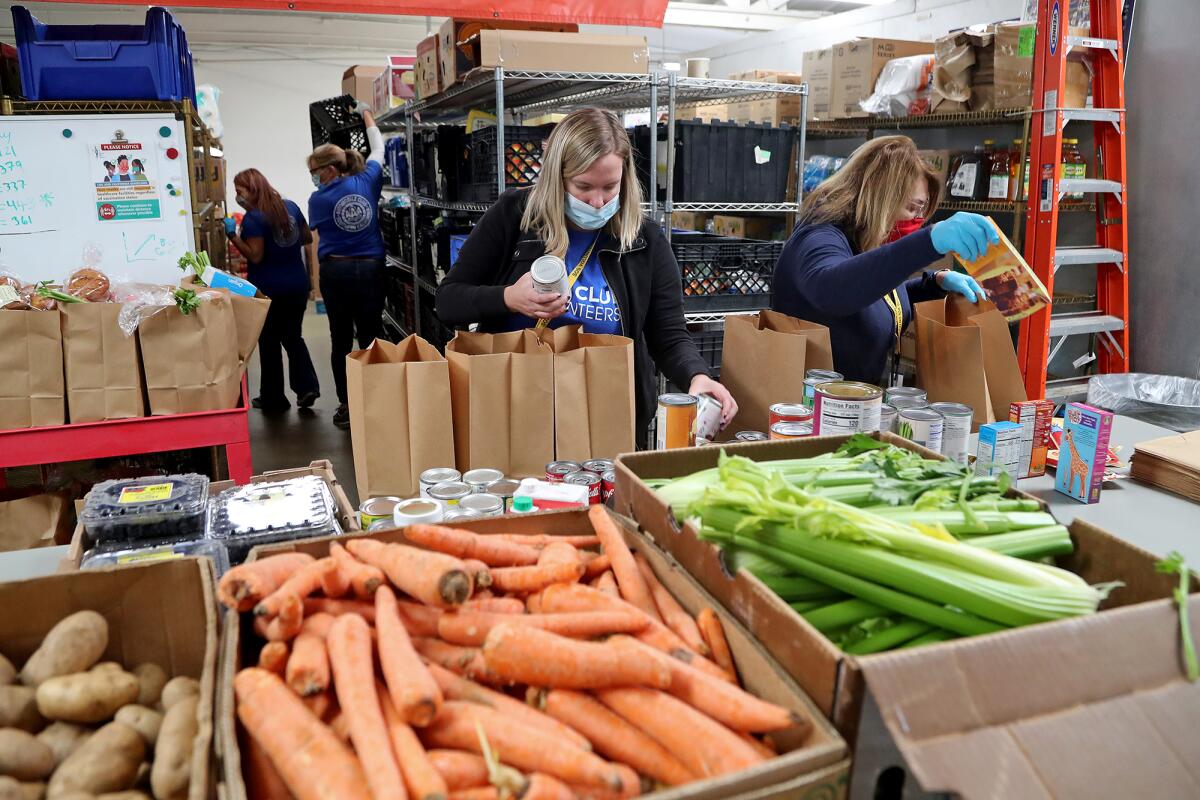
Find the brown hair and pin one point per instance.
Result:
(262, 196)
(347, 162)
(582, 137)
(866, 196)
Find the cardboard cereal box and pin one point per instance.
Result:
(1083, 454)
(1034, 417)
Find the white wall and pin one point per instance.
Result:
(921, 20)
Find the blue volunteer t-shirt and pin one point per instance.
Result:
(343, 213)
(592, 304)
(282, 269)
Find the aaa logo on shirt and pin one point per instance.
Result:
(352, 213)
(290, 238)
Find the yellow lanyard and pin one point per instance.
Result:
(893, 302)
(574, 276)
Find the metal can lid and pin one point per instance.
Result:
(449, 489)
(887, 408)
(379, 506)
(824, 374)
(562, 467)
(792, 429)
(920, 414)
(598, 465)
(952, 409)
(585, 478)
(503, 488)
(610, 476)
(460, 513)
(440, 475)
(850, 389)
(906, 391)
(417, 506)
(482, 503)
(908, 401)
(791, 410)
(676, 400)
(482, 477)
(750, 436)
(548, 269)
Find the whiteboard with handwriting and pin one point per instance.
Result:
(108, 191)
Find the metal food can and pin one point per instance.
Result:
(557, 470)
(750, 436)
(921, 426)
(904, 401)
(814, 378)
(549, 274)
(708, 419)
(381, 525)
(419, 509)
(790, 430)
(608, 485)
(892, 392)
(478, 479)
(598, 465)
(459, 514)
(486, 505)
(956, 430)
(375, 509)
(789, 412)
(841, 407)
(449, 493)
(593, 482)
(675, 421)
(887, 417)
(432, 477)
(504, 489)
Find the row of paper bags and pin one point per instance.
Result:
(77, 365)
(508, 401)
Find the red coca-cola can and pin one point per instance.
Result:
(592, 481)
(608, 485)
(556, 471)
(598, 465)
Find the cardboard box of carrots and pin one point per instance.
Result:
(555, 655)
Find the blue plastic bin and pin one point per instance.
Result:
(456, 243)
(104, 62)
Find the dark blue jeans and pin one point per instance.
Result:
(352, 289)
(282, 332)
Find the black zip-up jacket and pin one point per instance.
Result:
(645, 280)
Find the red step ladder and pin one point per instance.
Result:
(1043, 334)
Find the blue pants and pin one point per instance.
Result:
(282, 332)
(352, 289)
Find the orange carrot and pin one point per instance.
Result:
(273, 657)
(710, 628)
(521, 747)
(472, 627)
(615, 738)
(545, 787)
(302, 583)
(322, 705)
(414, 693)
(243, 586)
(724, 702)
(533, 579)
(607, 583)
(762, 748)
(522, 654)
(322, 605)
(533, 603)
(288, 623)
(466, 661)
(433, 578)
(632, 787)
(481, 573)
(317, 624)
(305, 752)
(364, 579)
(496, 605)
(456, 687)
(673, 615)
(261, 777)
(595, 565)
(423, 780)
(340, 725)
(419, 620)
(350, 655)
(458, 769)
(308, 666)
(334, 582)
(561, 553)
(702, 744)
(491, 550)
(629, 578)
(540, 540)
(482, 594)
(479, 793)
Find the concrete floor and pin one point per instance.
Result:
(295, 438)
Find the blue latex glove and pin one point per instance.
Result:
(969, 235)
(360, 107)
(230, 226)
(961, 283)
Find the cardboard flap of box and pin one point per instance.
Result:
(582, 52)
(1095, 707)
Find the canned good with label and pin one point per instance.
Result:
(956, 430)
(903, 401)
(598, 465)
(842, 407)
(592, 481)
(922, 426)
(375, 509)
(549, 274)
(675, 421)
(790, 430)
(789, 412)
(892, 392)
(887, 417)
(449, 493)
(750, 436)
(478, 479)
(608, 485)
(419, 509)
(459, 514)
(814, 378)
(708, 419)
(432, 477)
(504, 489)
(487, 505)
(557, 470)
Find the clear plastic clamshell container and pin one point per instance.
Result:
(170, 507)
(158, 551)
(263, 513)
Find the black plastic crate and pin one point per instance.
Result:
(523, 160)
(439, 159)
(722, 162)
(392, 222)
(398, 299)
(335, 121)
(725, 274)
(709, 338)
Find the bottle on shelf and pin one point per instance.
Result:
(1000, 181)
(1073, 166)
(969, 179)
(1014, 167)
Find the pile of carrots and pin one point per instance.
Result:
(484, 667)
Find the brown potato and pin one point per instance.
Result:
(132, 794)
(103, 665)
(18, 709)
(73, 645)
(152, 678)
(144, 720)
(8, 673)
(13, 789)
(86, 696)
(23, 757)
(64, 738)
(172, 769)
(177, 689)
(107, 762)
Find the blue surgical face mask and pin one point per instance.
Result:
(588, 218)
(316, 179)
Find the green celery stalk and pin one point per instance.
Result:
(1172, 564)
(839, 615)
(794, 587)
(1036, 543)
(933, 637)
(801, 608)
(889, 637)
(956, 522)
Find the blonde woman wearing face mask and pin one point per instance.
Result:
(585, 208)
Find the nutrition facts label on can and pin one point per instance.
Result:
(842, 416)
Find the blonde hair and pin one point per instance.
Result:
(574, 145)
(347, 162)
(866, 196)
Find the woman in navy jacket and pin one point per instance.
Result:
(861, 235)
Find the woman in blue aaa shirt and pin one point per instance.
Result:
(344, 212)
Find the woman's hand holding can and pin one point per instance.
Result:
(523, 298)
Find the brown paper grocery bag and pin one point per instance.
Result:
(40, 520)
(400, 419)
(502, 387)
(191, 361)
(103, 366)
(593, 394)
(249, 315)
(763, 360)
(965, 355)
(31, 369)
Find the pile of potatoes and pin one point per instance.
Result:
(75, 728)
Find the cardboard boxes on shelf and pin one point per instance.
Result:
(427, 72)
(856, 68)
(576, 52)
(359, 82)
(939, 161)
(818, 72)
(762, 228)
(395, 86)
(1015, 44)
(690, 220)
(783, 108)
(458, 44)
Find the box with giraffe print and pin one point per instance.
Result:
(1084, 452)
